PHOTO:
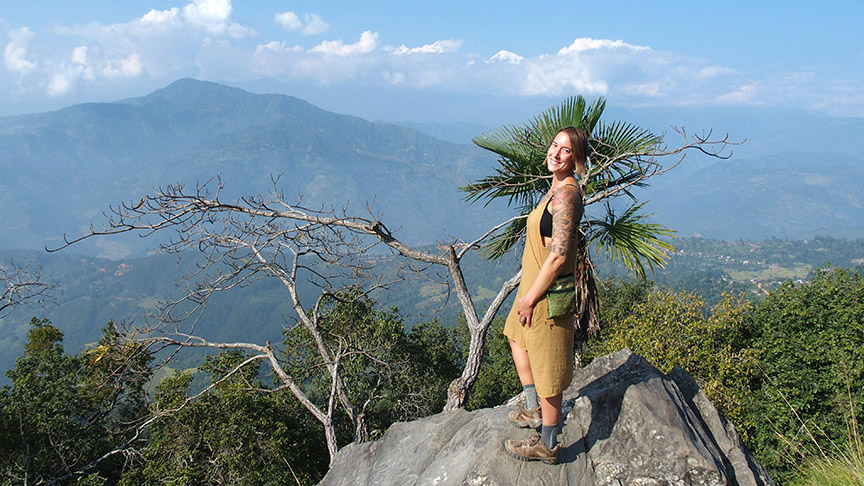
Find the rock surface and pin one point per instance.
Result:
(626, 423)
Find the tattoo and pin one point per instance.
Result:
(566, 210)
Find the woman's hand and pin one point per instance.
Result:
(525, 310)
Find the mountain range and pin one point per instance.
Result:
(62, 169)
(795, 177)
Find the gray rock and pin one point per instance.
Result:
(626, 423)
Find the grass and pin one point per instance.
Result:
(841, 467)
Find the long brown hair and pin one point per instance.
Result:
(579, 142)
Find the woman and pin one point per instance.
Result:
(543, 348)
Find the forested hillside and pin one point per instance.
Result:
(62, 169)
(96, 291)
(782, 370)
(300, 328)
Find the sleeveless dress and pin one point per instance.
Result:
(549, 342)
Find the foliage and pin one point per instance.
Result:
(435, 358)
(844, 467)
(621, 155)
(620, 296)
(671, 329)
(706, 267)
(497, 381)
(371, 352)
(241, 432)
(811, 334)
(62, 411)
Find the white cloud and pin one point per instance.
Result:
(212, 15)
(66, 76)
(161, 44)
(275, 46)
(171, 16)
(79, 55)
(588, 44)
(128, 67)
(714, 71)
(746, 94)
(329, 63)
(289, 20)
(437, 47)
(367, 43)
(312, 24)
(198, 38)
(16, 55)
(556, 76)
(395, 78)
(60, 84)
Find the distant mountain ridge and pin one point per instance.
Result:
(795, 195)
(63, 168)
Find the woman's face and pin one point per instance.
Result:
(559, 157)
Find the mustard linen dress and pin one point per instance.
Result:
(549, 342)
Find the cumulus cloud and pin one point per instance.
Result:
(395, 78)
(171, 16)
(714, 71)
(437, 47)
(745, 94)
(211, 15)
(198, 38)
(67, 74)
(16, 55)
(311, 24)
(165, 44)
(328, 63)
(582, 44)
(367, 43)
(128, 67)
(603, 67)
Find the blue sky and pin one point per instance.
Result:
(440, 61)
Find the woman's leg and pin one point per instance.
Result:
(523, 365)
(542, 447)
(551, 408)
(529, 414)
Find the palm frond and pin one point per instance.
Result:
(521, 174)
(630, 240)
(620, 159)
(505, 240)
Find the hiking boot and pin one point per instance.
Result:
(525, 418)
(533, 449)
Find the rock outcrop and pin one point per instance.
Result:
(626, 423)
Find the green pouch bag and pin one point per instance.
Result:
(561, 297)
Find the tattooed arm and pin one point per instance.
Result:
(566, 210)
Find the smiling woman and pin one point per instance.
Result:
(542, 345)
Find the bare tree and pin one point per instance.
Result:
(265, 236)
(22, 286)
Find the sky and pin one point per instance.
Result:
(442, 61)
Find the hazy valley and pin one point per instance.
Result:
(62, 169)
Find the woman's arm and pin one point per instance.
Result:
(563, 208)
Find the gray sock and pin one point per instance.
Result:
(549, 434)
(531, 400)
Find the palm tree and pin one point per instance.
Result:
(621, 157)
